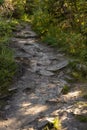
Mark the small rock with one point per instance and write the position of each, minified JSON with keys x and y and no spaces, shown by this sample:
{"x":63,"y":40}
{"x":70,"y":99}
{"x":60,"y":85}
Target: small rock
{"x":26,"y":36}
{"x":27,"y":90}
{"x":77,"y":111}
{"x":63,"y":82}
{"x":53,"y":58}
{"x":21,"y":55}
{"x":7,"y":107}
{"x":12,"y":89}
{"x":33,"y":65}
{"x":81,"y":67}
{"x":75,"y":129}
{"x":61,"y":74}
{"x":44,"y":62}
{"x":46,"y":73}
{"x":52,"y":101}
{"x":42,"y":123}
{"x":28,"y":127}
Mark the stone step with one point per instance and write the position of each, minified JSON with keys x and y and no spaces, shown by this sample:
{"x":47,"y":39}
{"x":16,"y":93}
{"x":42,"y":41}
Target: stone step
{"x":58,"y":66}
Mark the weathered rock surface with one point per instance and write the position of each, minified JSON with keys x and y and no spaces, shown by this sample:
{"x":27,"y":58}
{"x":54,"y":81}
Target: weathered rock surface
{"x":58,"y":66}
{"x":46,"y":73}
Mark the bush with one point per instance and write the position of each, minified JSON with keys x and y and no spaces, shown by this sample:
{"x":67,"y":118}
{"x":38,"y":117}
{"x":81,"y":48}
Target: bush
{"x":19,"y":8}
{"x":71,"y":42}
{"x":1,"y":2}
{"x":5,"y":28}
{"x":60,"y":24}
{"x":55,"y":36}
{"x":41,"y":21}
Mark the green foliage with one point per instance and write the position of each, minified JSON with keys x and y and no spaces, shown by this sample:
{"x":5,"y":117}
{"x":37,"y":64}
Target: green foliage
{"x":6,"y":9}
{"x":75,"y":43}
{"x":84,"y":54}
{"x":11,"y":8}
{"x":41,"y":21}
{"x":7,"y":63}
{"x":54,"y":125}
{"x":78,"y":70}
{"x":7,"y":68}
{"x":62,"y":24}
{"x":65,"y":89}
{"x":81,"y":118}
{"x":71,"y":43}
{"x":19,"y":8}
{"x":85,"y":96}
{"x":57,"y":123}
{"x":1,"y":2}
{"x":5,"y":28}
{"x":55,"y":36}
{"x":59,"y":23}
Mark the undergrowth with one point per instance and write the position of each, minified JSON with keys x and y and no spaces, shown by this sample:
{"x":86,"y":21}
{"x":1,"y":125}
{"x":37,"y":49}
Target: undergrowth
{"x":7,"y":63}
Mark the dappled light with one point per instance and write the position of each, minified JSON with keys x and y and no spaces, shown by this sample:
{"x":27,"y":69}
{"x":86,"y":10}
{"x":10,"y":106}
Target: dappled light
{"x":72,"y":95}
{"x":33,"y":109}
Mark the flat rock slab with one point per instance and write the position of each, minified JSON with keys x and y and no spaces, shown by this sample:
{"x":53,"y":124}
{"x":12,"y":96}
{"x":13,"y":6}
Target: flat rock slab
{"x":26,"y":34}
{"x":44,"y":62}
{"x":59,"y":66}
{"x":46,"y":73}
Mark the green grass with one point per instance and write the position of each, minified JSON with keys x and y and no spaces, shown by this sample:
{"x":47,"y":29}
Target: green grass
{"x":81,"y":118}
{"x":7,"y":64}
{"x":54,"y":125}
{"x":65,"y":89}
{"x":85,"y":96}
{"x":7,"y":68}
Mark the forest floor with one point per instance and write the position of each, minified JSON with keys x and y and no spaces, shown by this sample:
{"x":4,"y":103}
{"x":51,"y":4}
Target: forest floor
{"x":41,"y":89}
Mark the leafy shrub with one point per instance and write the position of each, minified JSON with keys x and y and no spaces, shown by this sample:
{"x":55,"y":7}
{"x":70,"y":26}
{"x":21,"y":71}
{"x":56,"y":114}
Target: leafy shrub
{"x":62,"y":24}
{"x":84,"y":54}
{"x":75,"y":42}
{"x":19,"y":8}
{"x":71,"y":42}
{"x":1,"y":2}
{"x":78,"y":70}
{"x":5,"y":28}
{"x":55,"y":36}
{"x":41,"y":21}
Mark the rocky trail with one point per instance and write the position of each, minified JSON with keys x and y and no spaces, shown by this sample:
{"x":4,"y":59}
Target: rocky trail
{"x":39,"y":96}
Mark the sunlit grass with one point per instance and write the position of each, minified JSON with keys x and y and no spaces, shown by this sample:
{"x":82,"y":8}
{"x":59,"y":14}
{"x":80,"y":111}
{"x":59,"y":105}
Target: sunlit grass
{"x":54,"y":124}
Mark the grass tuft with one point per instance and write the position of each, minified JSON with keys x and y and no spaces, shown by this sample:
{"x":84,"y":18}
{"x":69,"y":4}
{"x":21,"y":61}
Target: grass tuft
{"x":81,"y":118}
{"x":65,"y":89}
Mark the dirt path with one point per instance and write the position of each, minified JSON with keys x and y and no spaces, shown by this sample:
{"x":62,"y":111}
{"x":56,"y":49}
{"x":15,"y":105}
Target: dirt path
{"x":39,"y":91}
